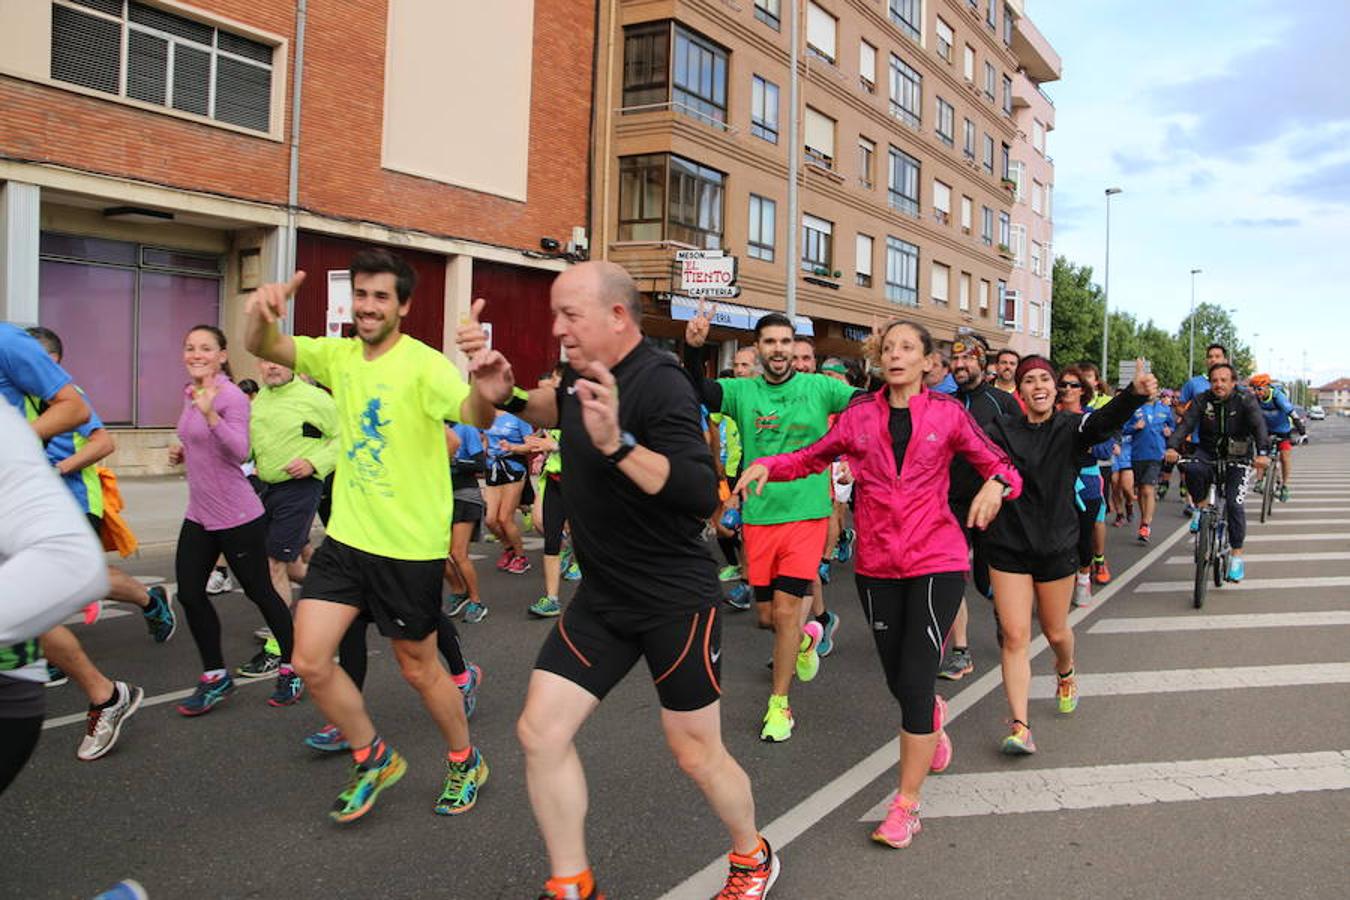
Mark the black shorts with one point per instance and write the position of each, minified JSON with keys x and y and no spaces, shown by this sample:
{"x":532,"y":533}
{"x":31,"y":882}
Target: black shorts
{"x":465,"y":510}
{"x":499,"y":475}
{"x":401,"y":596}
{"x":1040,"y":566}
{"x":595,"y":651}
{"x":1146,"y":471}
{"x":290,"y":507}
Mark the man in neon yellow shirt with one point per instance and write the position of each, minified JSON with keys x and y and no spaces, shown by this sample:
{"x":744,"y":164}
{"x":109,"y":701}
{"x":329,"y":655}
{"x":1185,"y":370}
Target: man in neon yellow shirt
{"x":389,"y":532}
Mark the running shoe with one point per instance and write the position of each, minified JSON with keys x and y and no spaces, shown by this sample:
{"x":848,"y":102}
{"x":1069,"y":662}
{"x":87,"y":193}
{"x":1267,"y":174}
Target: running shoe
{"x":505,"y":559}
{"x":1019,"y":742}
{"x":1144,"y":534}
{"x":1102,"y":572}
{"x":475,"y":613}
{"x":546,"y":608}
{"x":823,"y":570}
{"x":942,"y":756}
{"x":1195,"y":521}
{"x":455,"y":603}
{"x":808,"y":655}
{"x":958,"y":665}
{"x":290,"y":687}
{"x":1066,"y":694}
{"x":209,"y":693}
{"x":778,"y":722}
{"x":220,"y":582}
{"x":262,"y":665}
{"x":1129,"y":512}
{"x":160,"y":620}
{"x":750,"y":877}
{"x":263,"y":634}
{"x":126,"y":889}
{"x":470,"y":688}
{"x":365,"y":786}
{"x":1162,"y":491}
{"x":740,"y":597}
{"x":843,"y":551}
{"x":1284,"y":493}
{"x":729,"y":573}
{"x":1189,"y":510}
{"x":1119,"y":520}
{"x":463,"y":781}
{"x":55,"y":676}
{"x":572,"y":572}
{"x":1237,"y":569}
{"x":104,"y":725}
{"x":901,"y":824}
{"x":557,"y":890}
{"x":519,"y":565}
{"x":327,"y":739}
{"x":1082,"y":592}
{"x":526,"y":522}
{"x":827,"y":634}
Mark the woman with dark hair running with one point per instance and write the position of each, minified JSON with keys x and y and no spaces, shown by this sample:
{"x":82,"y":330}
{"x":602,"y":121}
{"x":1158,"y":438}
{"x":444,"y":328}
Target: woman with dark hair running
{"x":911,"y":558}
{"x":224,"y":516}
{"x":1075,"y":393}
{"x":1032,"y":547}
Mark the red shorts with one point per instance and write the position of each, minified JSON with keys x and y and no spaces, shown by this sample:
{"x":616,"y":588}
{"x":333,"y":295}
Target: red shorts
{"x":1285,"y":445}
{"x":790,"y":549}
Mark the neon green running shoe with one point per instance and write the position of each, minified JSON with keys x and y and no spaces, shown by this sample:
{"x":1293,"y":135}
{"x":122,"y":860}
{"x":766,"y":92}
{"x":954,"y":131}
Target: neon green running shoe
{"x":1067,"y":694}
{"x":729,"y":573}
{"x":359,"y":795}
{"x":808,"y":657}
{"x":777,"y":721}
{"x":463,"y":781}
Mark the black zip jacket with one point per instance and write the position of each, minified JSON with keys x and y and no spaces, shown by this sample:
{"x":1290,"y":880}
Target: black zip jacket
{"x":985,"y":404}
{"x":1231,"y":429}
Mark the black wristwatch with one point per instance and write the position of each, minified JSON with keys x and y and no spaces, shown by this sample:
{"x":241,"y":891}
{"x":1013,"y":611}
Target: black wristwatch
{"x":519,"y":399}
{"x":626,"y":444}
{"x":1007,"y":485}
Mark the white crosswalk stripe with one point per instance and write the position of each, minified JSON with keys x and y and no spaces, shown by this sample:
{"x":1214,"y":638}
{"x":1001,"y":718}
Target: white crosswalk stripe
{"x":1270,"y":557}
{"x":1251,"y":584}
{"x":1150,"y":624}
{"x":1170,"y":681}
{"x":1299,"y":538}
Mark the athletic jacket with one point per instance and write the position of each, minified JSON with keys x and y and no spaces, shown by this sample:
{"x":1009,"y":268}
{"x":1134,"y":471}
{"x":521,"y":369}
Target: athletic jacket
{"x":905,"y":526}
{"x":986,"y":404}
{"x":1233,"y":428}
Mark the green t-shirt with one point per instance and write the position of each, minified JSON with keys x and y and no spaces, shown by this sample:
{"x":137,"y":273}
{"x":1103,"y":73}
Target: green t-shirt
{"x":391,"y":490}
{"x":780,"y":418}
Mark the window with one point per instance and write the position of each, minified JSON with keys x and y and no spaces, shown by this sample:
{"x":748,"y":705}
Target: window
{"x":942,"y":202}
{"x":905,"y":14}
{"x":1005,"y":160}
{"x":867,"y":154}
{"x":1007,"y":96}
{"x":989,"y":76}
{"x":769,"y":12}
{"x":692,"y":77}
{"x":984,"y":297}
{"x":867,"y":66}
{"x":1048,"y":191}
{"x":989,"y":154}
{"x":964,"y":296}
{"x":820,"y":32}
{"x":1018,"y":244}
{"x":903,"y":182}
{"x":819,"y":138}
{"x":669,"y":198}
{"x":817,"y":245}
{"x":761,"y":231}
{"x":1007,"y":302}
{"x":1036,"y":258}
{"x":946,"y":122}
{"x":1038,"y":136}
{"x":1007,"y":25}
{"x":863,"y":263}
{"x":970,"y":64}
{"x":987,"y":226}
{"x":1047,"y":263}
{"x":945,"y":39}
{"x":764,"y":109}
{"x":1037,"y":197}
{"x":1017,"y":172}
{"x":902,"y":271}
{"x":1034,"y":315}
{"x":1004,"y":230}
{"x":167,"y":60}
{"x":906,"y":93}
{"x":968,"y":139}
{"x":967,"y":213}
{"x":990,"y":15}
{"x":941,"y":278}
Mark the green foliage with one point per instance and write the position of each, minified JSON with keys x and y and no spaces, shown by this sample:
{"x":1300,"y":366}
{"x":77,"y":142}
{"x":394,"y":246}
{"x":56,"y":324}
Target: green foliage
{"x":1213,"y":325}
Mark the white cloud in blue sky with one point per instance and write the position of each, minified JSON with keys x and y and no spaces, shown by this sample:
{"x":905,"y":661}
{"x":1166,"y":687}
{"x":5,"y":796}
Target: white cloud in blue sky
{"x":1227,"y":125}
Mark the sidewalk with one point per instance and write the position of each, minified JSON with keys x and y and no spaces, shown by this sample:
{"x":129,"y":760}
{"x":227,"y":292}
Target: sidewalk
{"x":154,"y":507}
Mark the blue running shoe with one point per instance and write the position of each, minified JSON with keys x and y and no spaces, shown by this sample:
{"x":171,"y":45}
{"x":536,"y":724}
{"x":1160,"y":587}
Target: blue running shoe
{"x":127,"y":889}
{"x":327,"y":739}
{"x":475,"y":613}
{"x":1236,"y":569}
{"x":1195,"y":521}
{"x":470,"y":688}
{"x":740,"y":597}
{"x":843,"y":551}
{"x":827,"y":636}
{"x":290,"y":687}
{"x":159,"y":616}
{"x":546,"y":607}
{"x":572,"y":572}
{"x":209,"y":692}
{"x":55,"y":677}
{"x":455,"y":603}
{"x":824,"y":571}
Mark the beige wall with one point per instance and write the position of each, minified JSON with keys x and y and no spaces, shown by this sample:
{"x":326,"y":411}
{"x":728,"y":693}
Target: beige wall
{"x":25,"y":39}
{"x":457,"y":92}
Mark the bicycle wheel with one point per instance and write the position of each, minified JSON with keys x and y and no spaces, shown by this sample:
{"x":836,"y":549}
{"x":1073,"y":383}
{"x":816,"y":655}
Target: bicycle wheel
{"x":1219,"y":549}
{"x":1202,"y":561}
{"x":1268,"y":494}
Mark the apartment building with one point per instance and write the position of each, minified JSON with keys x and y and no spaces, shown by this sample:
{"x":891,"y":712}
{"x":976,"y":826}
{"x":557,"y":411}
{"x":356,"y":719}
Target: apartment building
{"x":908,"y":126}
{"x":159,"y":159}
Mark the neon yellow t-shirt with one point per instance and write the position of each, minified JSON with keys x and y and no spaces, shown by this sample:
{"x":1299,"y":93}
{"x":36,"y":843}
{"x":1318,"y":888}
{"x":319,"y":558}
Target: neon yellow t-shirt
{"x":391,"y":490}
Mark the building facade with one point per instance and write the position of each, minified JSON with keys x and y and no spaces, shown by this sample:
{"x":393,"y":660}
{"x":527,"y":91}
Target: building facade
{"x":1334,"y":396}
{"x":907,"y":128}
{"x":159,"y":159}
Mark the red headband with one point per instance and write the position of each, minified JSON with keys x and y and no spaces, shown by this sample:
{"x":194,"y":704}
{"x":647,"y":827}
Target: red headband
{"x":1031,"y":363}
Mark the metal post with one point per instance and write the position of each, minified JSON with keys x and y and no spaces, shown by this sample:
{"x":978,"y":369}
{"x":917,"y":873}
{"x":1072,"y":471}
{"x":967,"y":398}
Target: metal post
{"x":1106,"y":290}
{"x":794,"y":160}
{"x":1190,"y":358}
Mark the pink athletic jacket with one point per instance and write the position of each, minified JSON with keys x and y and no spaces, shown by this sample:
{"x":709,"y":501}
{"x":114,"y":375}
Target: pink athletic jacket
{"x":905,"y":527}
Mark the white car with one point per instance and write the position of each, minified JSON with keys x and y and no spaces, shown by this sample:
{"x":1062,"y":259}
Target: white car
{"x":1316,"y":413}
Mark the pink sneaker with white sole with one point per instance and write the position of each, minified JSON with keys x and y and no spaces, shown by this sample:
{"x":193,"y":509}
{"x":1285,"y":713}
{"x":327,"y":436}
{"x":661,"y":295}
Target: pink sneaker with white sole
{"x":902,"y":823}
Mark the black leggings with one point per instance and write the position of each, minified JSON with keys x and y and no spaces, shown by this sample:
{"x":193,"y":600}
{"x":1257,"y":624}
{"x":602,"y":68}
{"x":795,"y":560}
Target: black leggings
{"x":910,"y":619}
{"x":555,"y":516}
{"x":18,"y":737}
{"x":245,"y":551}
{"x":352,"y":649}
{"x":1087,"y":521}
{"x":1198,"y":479}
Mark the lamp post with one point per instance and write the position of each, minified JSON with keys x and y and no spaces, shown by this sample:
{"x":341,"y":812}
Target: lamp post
{"x":794,"y":156}
{"x":1106,"y":286}
{"x":1190,"y":359}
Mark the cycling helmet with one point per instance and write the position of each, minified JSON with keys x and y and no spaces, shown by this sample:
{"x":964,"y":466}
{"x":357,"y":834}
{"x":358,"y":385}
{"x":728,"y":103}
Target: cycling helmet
{"x":1260,"y":380}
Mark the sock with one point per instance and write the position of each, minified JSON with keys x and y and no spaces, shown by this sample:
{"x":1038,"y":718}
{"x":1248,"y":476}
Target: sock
{"x":371,"y":755}
{"x":461,"y":679}
{"x":1098,"y":560}
{"x":285,"y":669}
{"x":459,"y":756}
{"x":1084,"y":577}
{"x":107,"y":704}
{"x":214,"y":674}
{"x":956,"y":649}
{"x":759,"y":855}
{"x":823,"y":618}
{"x":583,"y":882}
{"x":1068,"y":674}
{"x":553,"y":597}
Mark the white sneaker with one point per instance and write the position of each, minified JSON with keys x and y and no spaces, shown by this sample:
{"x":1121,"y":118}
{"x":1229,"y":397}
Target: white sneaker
{"x":219,"y":582}
{"x":105,"y":725}
{"x":1082,"y":593}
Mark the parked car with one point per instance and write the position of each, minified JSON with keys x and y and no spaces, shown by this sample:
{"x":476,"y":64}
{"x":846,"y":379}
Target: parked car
{"x":1316,"y":413}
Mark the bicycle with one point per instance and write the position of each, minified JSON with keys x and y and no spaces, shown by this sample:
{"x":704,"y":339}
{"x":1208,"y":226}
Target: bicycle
{"x":1274,"y":480}
{"x":1212,"y":550}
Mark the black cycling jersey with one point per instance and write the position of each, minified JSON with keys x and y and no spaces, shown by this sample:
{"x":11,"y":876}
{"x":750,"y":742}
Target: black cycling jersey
{"x":1232,"y":428}
{"x":985,"y":404}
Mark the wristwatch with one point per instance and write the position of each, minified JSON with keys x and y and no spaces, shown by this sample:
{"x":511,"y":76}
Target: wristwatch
{"x":519,"y":399}
{"x":626,"y":444}
{"x":1007,"y":485}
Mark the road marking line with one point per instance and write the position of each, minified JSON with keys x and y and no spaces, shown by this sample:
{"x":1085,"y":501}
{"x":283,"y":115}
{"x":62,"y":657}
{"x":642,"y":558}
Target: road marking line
{"x":1133,"y":784}
{"x":1151,"y":624}
{"x":1333,"y":536}
{"x":783,"y":830}
{"x":1286,"y":522}
{"x":156,"y":700}
{"x":1250,"y":584}
{"x":1173,"y":681}
{"x":1268,"y":557}
{"x":1315,"y":509}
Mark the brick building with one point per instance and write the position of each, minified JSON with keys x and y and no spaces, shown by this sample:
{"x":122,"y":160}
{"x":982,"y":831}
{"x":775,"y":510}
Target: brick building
{"x":151,"y":172}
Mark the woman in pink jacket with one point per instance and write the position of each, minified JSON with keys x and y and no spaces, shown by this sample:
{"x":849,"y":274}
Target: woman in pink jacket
{"x":912,"y":556}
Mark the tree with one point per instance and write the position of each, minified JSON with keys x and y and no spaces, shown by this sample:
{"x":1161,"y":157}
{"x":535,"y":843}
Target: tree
{"x":1214,"y":325}
{"x":1075,"y":314}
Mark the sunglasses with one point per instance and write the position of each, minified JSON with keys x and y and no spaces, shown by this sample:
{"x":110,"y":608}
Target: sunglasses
{"x":1070,"y":385}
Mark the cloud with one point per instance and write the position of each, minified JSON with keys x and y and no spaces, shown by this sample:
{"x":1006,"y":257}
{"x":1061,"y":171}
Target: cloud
{"x":1329,"y":184}
{"x":1269,"y":222}
{"x":1135,"y":164}
{"x":1202,"y":178}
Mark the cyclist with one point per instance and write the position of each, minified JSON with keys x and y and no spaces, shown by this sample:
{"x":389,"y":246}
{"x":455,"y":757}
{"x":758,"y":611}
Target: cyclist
{"x":1228,"y":425}
{"x":1281,"y":419}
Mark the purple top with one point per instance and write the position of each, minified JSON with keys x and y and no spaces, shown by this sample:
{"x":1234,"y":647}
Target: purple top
{"x":219,"y":496}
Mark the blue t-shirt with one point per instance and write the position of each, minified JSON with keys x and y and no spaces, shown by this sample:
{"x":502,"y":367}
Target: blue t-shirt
{"x":513,"y":430}
{"x":26,"y":369}
{"x":1277,"y":410}
{"x":1194,"y":387}
{"x":63,"y":447}
{"x":1149,"y":441}
{"x":947,"y":385}
{"x":1125,"y":458}
{"x":470,"y":442}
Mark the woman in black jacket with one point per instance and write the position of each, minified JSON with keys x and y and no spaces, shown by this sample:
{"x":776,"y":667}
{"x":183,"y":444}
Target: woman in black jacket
{"x":1032,"y":547}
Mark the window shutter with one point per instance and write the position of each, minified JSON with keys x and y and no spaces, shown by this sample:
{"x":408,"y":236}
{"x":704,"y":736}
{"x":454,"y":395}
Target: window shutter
{"x":147,"y":67}
{"x":820,"y":132}
{"x":867,"y":61}
{"x":863,"y":255}
{"x":86,"y":50}
{"x":942,"y":197}
{"x":820,"y":27}
{"x":243,"y":94}
{"x":191,"y":80}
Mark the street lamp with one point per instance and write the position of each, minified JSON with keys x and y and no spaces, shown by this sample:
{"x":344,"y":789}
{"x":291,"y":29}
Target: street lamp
{"x":1106,"y":287}
{"x":1190,"y":359}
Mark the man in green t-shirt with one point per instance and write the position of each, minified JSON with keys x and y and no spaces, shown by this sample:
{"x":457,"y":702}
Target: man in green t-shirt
{"x":785,"y":527}
{"x":389,"y":532}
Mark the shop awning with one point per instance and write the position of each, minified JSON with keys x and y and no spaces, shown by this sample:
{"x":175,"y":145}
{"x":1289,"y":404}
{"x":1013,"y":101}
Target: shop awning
{"x":733,"y":315}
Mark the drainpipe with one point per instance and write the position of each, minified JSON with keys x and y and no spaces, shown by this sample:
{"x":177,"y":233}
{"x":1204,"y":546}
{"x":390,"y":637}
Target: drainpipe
{"x":293,"y":184}
{"x":794,"y":156}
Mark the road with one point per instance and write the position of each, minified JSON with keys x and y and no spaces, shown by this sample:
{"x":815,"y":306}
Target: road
{"x":1210,"y":756}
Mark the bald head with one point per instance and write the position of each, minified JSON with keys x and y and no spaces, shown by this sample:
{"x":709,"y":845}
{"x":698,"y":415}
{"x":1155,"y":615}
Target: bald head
{"x":597,"y":312}
{"x":606,"y":282}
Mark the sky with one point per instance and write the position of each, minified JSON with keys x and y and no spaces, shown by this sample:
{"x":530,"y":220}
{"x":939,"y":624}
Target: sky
{"x":1226,"y":123}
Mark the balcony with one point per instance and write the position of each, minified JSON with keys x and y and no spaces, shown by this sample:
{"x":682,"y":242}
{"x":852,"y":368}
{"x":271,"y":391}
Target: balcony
{"x":1034,"y":52}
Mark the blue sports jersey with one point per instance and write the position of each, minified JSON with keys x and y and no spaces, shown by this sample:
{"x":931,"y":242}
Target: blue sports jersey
{"x":513,"y":430}
{"x":470,"y":443}
{"x":25,"y":368}
{"x":1150,"y":442}
{"x":1277,"y":410}
{"x":63,"y":446}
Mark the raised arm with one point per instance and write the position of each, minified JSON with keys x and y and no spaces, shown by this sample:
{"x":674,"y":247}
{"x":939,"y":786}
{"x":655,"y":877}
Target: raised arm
{"x":695,"y":360}
{"x":808,"y":460}
{"x":493,"y":382}
{"x":1112,"y":417}
{"x":264,"y":309}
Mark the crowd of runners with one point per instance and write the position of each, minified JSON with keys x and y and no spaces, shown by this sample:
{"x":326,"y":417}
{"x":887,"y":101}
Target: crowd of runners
{"x":926,"y":466}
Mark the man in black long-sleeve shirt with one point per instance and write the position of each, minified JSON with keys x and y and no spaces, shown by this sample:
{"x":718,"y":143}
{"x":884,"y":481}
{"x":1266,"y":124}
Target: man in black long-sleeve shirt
{"x":640,"y":484}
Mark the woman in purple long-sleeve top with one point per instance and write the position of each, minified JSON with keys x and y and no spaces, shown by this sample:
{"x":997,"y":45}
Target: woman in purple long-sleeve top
{"x":224,"y":516}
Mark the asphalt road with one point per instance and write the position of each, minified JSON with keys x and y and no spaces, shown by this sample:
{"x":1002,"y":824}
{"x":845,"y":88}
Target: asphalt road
{"x":1210,"y":756}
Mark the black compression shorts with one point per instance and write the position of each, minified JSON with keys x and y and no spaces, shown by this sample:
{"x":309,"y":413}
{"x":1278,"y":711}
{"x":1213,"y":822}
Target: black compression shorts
{"x":1040,"y":566}
{"x":402,"y":597}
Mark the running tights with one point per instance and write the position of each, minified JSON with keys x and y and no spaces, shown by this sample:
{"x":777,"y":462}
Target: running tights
{"x":1087,"y":521}
{"x":555,"y":517}
{"x":910,"y":619}
{"x":246,"y":554}
{"x":18,"y":737}
{"x":1198,"y":480}
{"x":352,"y":650}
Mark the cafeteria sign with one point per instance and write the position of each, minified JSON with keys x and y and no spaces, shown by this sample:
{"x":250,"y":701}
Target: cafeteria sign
{"x":707,"y":273}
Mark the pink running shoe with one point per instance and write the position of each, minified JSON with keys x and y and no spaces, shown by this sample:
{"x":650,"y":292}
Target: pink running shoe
{"x":518,"y":565}
{"x":902,"y":823}
{"x":942,"y":756}
{"x":505,"y":559}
